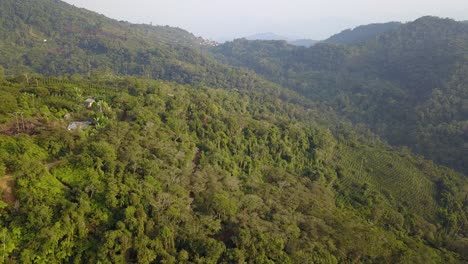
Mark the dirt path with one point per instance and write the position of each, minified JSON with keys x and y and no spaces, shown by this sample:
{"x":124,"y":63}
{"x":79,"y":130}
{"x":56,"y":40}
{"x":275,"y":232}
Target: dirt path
{"x":52,"y":165}
{"x":7,"y":184}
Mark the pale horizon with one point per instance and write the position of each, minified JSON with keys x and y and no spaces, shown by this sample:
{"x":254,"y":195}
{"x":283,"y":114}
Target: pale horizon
{"x":299,"y":19}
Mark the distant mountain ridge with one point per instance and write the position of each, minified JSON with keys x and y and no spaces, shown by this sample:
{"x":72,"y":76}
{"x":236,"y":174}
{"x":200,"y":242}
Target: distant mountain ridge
{"x":266,"y":36}
{"x":273,"y":36}
{"x":303,"y":42}
{"x":363,"y":33}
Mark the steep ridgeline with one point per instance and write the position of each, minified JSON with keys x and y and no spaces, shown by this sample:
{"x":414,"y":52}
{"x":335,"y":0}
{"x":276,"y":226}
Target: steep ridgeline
{"x":362,"y":34}
{"x":167,"y":173}
{"x":409,"y":85}
{"x":54,"y":38}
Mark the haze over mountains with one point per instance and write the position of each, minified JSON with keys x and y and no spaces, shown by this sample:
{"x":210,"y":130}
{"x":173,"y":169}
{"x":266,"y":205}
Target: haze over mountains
{"x":348,"y":36}
{"x":355,"y":35}
{"x":266,"y":36}
{"x":273,"y":36}
{"x":253,"y":151}
{"x":222,"y":21}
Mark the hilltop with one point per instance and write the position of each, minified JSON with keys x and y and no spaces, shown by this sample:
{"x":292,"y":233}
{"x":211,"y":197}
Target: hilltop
{"x":363,"y":33}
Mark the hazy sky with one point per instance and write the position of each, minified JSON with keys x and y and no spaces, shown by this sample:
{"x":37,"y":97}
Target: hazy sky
{"x":222,"y":19}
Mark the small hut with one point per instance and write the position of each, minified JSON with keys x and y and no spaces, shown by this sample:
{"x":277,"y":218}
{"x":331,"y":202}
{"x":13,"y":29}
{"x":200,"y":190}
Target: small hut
{"x":90,"y":102}
{"x":78,"y":125}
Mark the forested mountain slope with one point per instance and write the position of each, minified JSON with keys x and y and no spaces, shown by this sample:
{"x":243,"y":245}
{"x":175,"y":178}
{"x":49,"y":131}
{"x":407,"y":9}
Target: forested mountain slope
{"x":408,"y":85}
{"x":362,"y":33}
{"x":151,"y":171}
{"x":52,"y":38}
{"x":172,"y":173}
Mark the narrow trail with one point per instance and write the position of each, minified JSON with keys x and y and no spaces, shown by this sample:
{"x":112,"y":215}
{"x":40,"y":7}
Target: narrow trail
{"x":50,"y":166}
{"x":7,"y":184}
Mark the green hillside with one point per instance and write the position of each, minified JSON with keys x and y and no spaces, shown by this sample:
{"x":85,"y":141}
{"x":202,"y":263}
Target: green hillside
{"x":123,"y":143}
{"x":408,"y":85}
{"x":172,"y":173}
{"x":362,"y":33}
{"x":54,"y":38}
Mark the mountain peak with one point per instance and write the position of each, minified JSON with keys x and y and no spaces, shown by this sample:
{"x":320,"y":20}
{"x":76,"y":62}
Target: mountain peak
{"x":362,"y":33}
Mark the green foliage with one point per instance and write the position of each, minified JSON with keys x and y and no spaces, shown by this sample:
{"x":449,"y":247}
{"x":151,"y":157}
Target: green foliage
{"x":171,"y":173}
{"x":2,"y":73}
{"x":198,"y":175}
{"x":54,"y":38}
{"x":9,"y":103}
{"x":407,"y":84}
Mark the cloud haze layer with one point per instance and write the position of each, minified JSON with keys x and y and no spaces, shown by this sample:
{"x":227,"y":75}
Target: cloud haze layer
{"x":219,"y":19}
